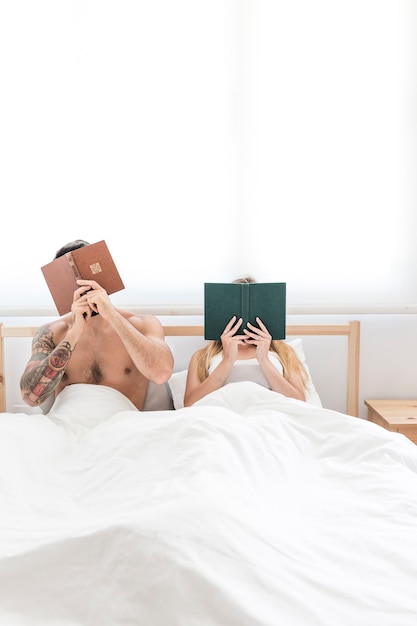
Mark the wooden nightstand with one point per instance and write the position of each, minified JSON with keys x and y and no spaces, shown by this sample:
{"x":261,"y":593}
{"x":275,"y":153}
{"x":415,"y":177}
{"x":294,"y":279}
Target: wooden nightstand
{"x":396,"y":415}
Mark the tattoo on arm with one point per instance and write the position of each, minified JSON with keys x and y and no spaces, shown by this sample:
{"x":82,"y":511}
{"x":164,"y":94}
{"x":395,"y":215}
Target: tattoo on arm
{"x":46,"y":367}
{"x":60,"y":356}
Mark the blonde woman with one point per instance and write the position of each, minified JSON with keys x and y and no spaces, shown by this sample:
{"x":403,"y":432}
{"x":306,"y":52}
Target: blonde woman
{"x":245,"y":354}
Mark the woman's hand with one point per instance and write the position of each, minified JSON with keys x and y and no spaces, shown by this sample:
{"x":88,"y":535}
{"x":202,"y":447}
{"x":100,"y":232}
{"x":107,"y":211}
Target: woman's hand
{"x":230,"y":341}
{"x":259,"y":337}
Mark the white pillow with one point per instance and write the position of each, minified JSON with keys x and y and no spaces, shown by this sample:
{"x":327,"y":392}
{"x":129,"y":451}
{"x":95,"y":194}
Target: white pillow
{"x":178,"y":380}
{"x":177,"y":384}
{"x":312,"y":397}
{"x":158,"y":398}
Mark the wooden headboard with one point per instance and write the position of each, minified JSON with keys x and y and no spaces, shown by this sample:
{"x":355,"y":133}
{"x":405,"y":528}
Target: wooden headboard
{"x":350,"y":329}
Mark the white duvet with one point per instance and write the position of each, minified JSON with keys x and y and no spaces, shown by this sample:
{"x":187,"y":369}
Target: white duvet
{"x":247,"y":509}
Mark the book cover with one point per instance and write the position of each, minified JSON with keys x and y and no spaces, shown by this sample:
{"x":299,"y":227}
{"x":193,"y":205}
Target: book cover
{"x":93,"y":262}
{"x":248,"y":300}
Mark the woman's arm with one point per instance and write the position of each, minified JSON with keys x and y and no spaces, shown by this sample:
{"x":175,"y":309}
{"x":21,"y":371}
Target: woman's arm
{"x":293,"y":387}
{"x":195,"y":389}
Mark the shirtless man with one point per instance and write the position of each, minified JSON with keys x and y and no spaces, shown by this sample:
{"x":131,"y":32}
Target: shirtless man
{"x":114,"y":348}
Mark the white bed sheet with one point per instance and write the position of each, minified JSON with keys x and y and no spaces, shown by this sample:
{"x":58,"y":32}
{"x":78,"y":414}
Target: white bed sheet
{"x":247,"y":509}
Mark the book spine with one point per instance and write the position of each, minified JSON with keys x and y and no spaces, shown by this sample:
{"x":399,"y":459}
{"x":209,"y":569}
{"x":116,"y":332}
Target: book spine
{"x":245,"y":305}
{"x":73,"y":265}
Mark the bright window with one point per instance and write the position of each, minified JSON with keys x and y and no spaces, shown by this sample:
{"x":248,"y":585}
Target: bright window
{"x":206,"y":139}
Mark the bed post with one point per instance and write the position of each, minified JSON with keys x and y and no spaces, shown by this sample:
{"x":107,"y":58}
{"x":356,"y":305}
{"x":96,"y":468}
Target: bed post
{"x":353,"y":369}
{"x":2,"y":375}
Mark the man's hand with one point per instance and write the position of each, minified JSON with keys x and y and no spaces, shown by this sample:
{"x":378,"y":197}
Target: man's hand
{"x":91,"y":299}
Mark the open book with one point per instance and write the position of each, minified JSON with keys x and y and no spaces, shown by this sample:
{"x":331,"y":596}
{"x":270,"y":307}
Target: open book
{"x":93,"y":262}
{"x":248,"y":300}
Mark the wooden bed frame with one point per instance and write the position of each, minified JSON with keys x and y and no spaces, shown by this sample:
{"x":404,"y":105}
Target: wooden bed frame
{"x":350,"y":329}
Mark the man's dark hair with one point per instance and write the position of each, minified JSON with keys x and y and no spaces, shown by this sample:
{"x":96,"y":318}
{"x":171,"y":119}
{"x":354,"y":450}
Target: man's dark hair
{"x":69,"y":247}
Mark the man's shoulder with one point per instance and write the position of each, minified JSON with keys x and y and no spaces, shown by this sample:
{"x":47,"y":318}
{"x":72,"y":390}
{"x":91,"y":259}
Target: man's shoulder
{"x":59,"y":325}
{"x":145,"y":322}
{"x":142,"y":317}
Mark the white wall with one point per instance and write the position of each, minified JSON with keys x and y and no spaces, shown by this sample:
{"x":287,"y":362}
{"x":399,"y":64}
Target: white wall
{"x":388,"y":365}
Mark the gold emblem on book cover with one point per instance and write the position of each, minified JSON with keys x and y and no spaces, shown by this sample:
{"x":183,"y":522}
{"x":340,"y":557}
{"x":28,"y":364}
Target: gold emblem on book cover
{"x":95,"y":268}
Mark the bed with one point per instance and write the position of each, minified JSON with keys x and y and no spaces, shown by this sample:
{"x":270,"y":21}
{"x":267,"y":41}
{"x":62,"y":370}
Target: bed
{"x":246,"y":509}
{"x":187,"y":336}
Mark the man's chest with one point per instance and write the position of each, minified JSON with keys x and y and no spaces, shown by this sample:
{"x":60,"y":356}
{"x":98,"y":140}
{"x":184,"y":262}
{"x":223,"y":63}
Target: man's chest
{"x":99,"y":361}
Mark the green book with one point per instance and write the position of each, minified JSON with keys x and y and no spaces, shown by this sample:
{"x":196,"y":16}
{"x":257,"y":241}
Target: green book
{"x":248,"y":300}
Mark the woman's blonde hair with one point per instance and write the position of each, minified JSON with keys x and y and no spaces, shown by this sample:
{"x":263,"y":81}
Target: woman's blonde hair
{"x":286,"y":353}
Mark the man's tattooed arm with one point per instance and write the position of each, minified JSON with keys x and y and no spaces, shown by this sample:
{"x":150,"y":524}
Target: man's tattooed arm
{"x":46,"y":367}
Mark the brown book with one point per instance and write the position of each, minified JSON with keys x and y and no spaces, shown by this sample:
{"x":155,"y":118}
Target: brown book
{"x":93,"y":262}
